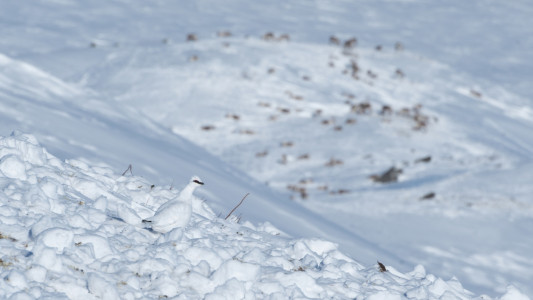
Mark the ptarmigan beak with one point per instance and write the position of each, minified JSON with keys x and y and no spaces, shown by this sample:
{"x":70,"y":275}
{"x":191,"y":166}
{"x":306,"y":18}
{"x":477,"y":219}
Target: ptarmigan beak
{"x":198,"y":181}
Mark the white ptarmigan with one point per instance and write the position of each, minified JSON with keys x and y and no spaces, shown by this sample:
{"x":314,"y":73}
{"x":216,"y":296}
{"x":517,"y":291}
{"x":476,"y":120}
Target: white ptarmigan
{"x":175,"y":213}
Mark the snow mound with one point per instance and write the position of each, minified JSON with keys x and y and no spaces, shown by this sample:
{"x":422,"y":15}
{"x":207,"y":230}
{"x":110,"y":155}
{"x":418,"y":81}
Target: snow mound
{"x":69,"y":230}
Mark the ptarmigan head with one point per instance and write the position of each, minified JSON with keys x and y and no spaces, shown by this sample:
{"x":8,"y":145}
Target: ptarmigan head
{"x":197,"y":180}
{"x":186,"y":193}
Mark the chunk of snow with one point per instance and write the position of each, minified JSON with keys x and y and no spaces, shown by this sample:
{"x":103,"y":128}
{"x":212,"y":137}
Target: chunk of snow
{"x":100,"y":203}
{"x":306,"y":284}
{"x":418,"y":272}
{"x":99,"y":244}
{"x":22,"y":296}
{"x":438,"y":287}
{"x":41,"y":225}
{"x":16,"y":279}
{"x":101,"y":287}
{"x":197,"y":254}
{"x":384,"y":295}
{"x":232,"y":289}
{"x":36,"y":273}
{"x":51,"y":187}
{"x":165,"y":285}
{"x":47,"y":258}
{"x":58,"y":238}
{"x":418,"y":293}
{"x":11,"y":166}
{"x":128,"y":215}
{"x":513,"y":293}
{"x":320,"y":247}
{"x":235,"y":269}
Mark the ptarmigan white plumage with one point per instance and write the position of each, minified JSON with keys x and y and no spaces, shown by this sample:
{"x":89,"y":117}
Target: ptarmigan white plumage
{"x":175,"y":213}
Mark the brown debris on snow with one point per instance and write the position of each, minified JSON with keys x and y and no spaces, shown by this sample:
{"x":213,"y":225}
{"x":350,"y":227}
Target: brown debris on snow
{"x":391,"y":175}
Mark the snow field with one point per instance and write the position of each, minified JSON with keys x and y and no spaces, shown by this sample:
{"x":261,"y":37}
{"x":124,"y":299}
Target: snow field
{"x":105,"y":82}
{"x":290,"y":114}
{"x":62,"y":237}
{"x":284,"y":115}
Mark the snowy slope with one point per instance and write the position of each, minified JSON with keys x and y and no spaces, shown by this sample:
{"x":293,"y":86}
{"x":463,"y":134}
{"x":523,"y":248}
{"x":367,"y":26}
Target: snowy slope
{"x":464,"y":157}
{"x":71,"y":230}
{"x":78,"y":123}
{"x":488,"y":39}
{"x":467,"y":63}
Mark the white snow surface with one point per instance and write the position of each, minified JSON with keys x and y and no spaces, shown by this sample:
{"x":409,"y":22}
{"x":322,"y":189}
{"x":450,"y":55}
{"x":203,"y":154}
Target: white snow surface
{"x":61,"y":239}
{"x":104,"y":84}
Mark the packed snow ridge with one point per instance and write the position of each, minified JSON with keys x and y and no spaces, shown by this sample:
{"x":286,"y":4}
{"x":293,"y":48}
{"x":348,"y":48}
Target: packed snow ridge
{"x":70,"y":230}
